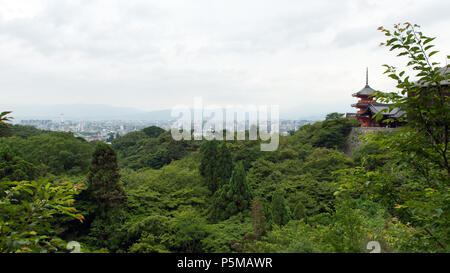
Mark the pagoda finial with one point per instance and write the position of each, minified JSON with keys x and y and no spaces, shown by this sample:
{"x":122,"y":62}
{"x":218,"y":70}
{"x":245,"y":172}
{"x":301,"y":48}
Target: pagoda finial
{"x":367,"y":76}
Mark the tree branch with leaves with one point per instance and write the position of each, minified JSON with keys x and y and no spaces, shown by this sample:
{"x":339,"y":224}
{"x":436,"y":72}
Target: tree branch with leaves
{"x":425,"y":101}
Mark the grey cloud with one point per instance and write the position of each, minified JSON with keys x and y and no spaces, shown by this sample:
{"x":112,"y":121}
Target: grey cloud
{"x":351,"y":37}
{"x":155,"y":54}
{"x":65,"y":28}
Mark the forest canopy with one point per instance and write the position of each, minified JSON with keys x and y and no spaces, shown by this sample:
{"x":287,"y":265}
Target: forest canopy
{"x":147,"y":193}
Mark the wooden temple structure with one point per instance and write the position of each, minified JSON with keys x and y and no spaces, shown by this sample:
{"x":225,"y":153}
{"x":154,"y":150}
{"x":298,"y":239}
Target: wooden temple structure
{"x":368,"y":107}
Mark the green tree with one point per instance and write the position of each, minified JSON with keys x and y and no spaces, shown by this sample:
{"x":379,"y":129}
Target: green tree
{"x":104,"y":201}
{"x":153,"y":131}
{"x":6,"y":130}
{"x":26,"y":209}
{"x":224,"y":165}
{"x":107,"y":230}
{"x":330,"y":133}
{"x":208,"y":163}
{"x":281,"y":214}
{"x":26,"y":131}
{"x":323,"y":162}
{"x":128,"y":142}
{"x":258,"y":218}
{"x":56,"y":152}
{"x":425,"y":138}
{"x":232,"y":197}
{"x":103,"y":179}
{"x":156,"y":160}
{"x":347,"y":232}
{"x":426,"y":101}
{"x":152,"y":233}
{"x":190,"y":229}
{"x":216,"y":164}
{"x":334,"y":115}
{"x":14,"y":168}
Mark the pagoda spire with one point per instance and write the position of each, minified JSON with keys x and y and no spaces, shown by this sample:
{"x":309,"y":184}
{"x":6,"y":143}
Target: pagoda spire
{"x":367,"y":76}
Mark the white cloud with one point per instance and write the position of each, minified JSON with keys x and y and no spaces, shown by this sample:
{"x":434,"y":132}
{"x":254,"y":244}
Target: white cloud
{"x":305,"y":55}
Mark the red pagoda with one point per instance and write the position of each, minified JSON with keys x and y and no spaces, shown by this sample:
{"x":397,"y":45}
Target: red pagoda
{"x":368,"y":108}
{"x":363,"y":103}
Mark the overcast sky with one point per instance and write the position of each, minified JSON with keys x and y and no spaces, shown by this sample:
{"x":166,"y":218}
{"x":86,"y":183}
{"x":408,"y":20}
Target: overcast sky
{"x":306,"y":56}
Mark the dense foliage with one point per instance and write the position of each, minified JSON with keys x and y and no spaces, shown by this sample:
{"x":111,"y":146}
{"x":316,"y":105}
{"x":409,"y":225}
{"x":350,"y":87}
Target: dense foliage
{"x":149,"y":193}
{"x":26,"y":209}
{"x":53,"y":152}
{"x":150,"y":148}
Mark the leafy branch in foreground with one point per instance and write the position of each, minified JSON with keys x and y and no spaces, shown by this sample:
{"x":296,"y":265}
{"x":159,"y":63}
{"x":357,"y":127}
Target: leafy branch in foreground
{"x":414,"y":183}
{"x":425,"y":102}
{"x":26,"y":208}
{"x":4,"y":117}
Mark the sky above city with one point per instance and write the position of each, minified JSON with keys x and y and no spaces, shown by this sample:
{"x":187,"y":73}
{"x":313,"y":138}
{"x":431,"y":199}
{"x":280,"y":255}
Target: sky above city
{"x":306,"y":56}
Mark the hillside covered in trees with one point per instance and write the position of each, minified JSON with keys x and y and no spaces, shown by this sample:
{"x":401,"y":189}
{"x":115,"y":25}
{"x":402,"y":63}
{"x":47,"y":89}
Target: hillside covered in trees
{"x":148,"y":193}
{"x":209,"y":196}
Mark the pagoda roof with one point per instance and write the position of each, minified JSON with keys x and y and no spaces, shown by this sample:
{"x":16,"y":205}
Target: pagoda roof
{"x":367,"y":90}
{"x":376,"y":107}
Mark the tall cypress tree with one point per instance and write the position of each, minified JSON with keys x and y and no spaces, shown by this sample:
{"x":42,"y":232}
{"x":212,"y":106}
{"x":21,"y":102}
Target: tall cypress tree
{"x":224,"y":166}
{"x":232,"y":197}
{"x":281,"y":213}
{"x":104,"y":189}
{"x":208,"y":163}
{"x":216,"y":164}
{"x":102,"y":201}
{"x":239,"y":189}
{"x":208,"y":152}
{"x":258,"y":218}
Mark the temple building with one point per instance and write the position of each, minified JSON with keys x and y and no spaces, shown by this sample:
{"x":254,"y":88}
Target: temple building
{"x":368,"y":108}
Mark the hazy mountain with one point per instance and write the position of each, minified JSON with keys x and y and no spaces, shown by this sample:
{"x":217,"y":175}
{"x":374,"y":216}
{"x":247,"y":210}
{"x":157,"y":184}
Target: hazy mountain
{"x":106,"y":112}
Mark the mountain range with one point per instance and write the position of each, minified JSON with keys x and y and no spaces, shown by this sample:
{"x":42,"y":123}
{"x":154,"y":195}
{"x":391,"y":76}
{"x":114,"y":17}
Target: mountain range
{"x":106,"y":112}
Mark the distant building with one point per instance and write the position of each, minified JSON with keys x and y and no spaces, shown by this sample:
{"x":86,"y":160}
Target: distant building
{"x":368,"y":108}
